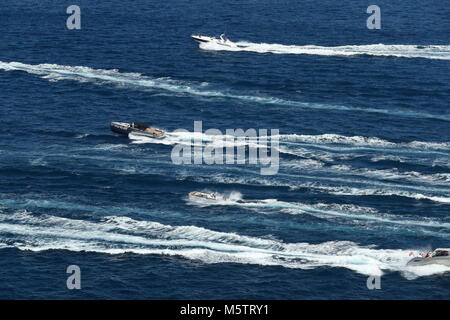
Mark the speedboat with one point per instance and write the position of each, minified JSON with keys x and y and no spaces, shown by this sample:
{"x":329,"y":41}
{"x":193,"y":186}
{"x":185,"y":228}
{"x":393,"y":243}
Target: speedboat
{"x":205,"y":195}
{"x":222,"y":40}
{"x":137,"y":128}
{"x":439,"y":256}
{"x":215,"y":196}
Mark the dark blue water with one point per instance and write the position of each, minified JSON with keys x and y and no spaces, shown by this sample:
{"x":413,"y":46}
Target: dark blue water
{"x":364,"y":175}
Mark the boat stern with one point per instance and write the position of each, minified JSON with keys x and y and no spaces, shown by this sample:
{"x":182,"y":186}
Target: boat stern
{"x":120,"y":127}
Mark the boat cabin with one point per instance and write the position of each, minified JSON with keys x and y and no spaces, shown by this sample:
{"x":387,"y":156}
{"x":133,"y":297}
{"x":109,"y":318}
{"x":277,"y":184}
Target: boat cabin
{"x":441,"y":252}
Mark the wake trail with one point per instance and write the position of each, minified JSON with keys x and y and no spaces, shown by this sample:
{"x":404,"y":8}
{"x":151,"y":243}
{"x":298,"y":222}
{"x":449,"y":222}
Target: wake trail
{"x":435,"y":52}
{"x":318,"y":162}
{"x":327,"y":139}
{"x":116,"y":235}
{"x":326,"y":188}
{"x":319,"y":210}
{"x":54,"y":72}
{"x":363,"y":141}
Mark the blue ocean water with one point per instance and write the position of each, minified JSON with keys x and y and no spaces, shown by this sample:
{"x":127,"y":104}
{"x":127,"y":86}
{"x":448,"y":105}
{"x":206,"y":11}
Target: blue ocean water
{"x":364,"y":174}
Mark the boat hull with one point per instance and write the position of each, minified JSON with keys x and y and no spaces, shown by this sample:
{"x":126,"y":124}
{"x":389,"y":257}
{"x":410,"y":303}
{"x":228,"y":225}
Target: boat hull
{"x":202,"y":195}
{"x":445,"y":261}
{"x":147,"y":134}
{"x":207,"y":39}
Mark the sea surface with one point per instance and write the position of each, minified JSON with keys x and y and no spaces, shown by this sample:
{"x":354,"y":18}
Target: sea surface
{"x":364,"y":149}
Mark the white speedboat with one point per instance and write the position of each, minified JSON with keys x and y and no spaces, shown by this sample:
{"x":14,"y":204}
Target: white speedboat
{"x":439,"y":256}
{"x":137,"y":128}
{"x":205,"y":195}
{"x":222,"y":40}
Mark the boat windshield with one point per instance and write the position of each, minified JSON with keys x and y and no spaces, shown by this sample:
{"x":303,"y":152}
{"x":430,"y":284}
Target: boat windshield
{"x":441,"y":253}
{"x":139,"y":125}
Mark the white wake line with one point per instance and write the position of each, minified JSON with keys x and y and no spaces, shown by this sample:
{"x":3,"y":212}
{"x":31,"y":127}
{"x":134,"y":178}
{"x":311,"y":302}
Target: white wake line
{"x":318,"y":211}
{"x":188,"y":139}
{"x":437,"y":181}
{"x":439,"y":52}
{"x":330,"y":189}
{"x":365,"y":142}
{"x":405,"y":190}
{"x":381,"y":182}
{"x":26,"y":204}
{"x":54,"y":72}
{"x":318,"y":141}
{"x":330,"y":141}
{"x":117,"y":235}
{"x":376,"y":187}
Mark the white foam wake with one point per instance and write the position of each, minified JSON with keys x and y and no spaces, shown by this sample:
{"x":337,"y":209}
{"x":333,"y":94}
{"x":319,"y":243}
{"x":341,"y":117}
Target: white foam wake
{"x":322,"y":210}
{"x":199,"y":139}
{"x":439,"y":52}
{"x":355,"y":191}
{"x":330,"y":189}
{"x":361,"y":141}
{"x":297,"y":145}
{"x":115,"y":235}
{"x":316,"y":166}
{"x":314,"y":160}
{"x":394,"y":174}
{"x":54,"y":72}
